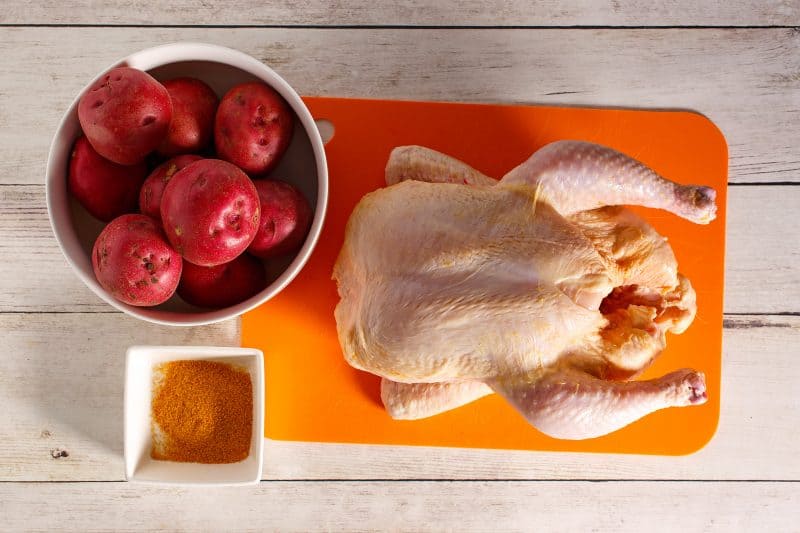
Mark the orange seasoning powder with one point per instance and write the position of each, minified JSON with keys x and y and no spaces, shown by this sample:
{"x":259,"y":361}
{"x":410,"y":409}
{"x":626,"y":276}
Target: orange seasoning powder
{"x":202,"y":412}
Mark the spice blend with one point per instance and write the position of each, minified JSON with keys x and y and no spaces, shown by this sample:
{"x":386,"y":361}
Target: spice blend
{"x":202,"y":412}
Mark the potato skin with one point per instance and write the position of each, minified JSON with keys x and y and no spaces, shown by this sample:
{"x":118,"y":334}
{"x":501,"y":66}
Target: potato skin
{"x":133,"y":261}
{"x":210,"y":211}
{"x":222,"y":285}
{"x":125,"y":115}
{"x":194,"y":105}
{"x":285,"y":219}
{"x":153,"y":187}
{"x":105,"y":189}
{"x":253,"y":128}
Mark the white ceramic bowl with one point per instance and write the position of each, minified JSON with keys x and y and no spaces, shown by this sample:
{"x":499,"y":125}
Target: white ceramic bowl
{"x":303,"y":165}
{"x":139,"y":466}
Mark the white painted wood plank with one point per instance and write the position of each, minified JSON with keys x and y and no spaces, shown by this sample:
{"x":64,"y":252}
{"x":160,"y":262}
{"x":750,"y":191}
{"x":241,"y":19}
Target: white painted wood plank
{"x":762,"y":264}
{"x":408,"y":506}
{"x":762,"y":249}
{"x":61,"y":389}
{"x":61,"y":385}
{"x":746,"y":80}
{"x":410,"y":12}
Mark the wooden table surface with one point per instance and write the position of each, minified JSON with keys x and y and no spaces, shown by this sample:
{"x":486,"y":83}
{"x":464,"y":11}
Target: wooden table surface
{"x":62,"y":348}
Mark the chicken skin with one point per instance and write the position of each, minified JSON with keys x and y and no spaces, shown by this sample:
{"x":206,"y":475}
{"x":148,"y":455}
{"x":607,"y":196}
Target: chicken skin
{"x":539,"y":287}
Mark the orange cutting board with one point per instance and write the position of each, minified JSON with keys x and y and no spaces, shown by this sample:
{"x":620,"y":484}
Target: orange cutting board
{"x":313,"y":395}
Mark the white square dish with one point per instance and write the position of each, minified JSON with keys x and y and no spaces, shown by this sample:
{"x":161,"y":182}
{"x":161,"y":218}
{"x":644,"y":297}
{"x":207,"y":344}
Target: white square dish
{"x":139,"y":466}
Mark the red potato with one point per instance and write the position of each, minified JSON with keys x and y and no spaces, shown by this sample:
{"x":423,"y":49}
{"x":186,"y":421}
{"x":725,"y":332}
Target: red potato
{"x":194,"y":105}
{"x":253,"y":127}
{"x":153,"y":187}
{"x":134,"y":262}
{"x":107,"y":190}
{"x":125,"y":115}
{"x":222,"y":285}
{"x":210,"y":211}
{"x":285,"y":219}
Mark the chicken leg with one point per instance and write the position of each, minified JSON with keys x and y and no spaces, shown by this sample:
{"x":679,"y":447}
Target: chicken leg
{"x":576,"y":176}
{"x":570,"y":404}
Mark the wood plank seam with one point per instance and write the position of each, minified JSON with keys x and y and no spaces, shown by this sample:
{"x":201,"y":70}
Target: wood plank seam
{"x":402,"y":26}
{"x":265,"y":481}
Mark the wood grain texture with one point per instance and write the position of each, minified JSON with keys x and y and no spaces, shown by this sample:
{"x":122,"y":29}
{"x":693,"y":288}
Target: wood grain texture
{"x":409,"y":506}
{"x":746,"y":80}
{"x":409,"y":12}
{"x":61,"y":387}
{"x":34,"y":275}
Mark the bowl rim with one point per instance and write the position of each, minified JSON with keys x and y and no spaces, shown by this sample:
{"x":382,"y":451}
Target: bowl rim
{"x":158,"y":56}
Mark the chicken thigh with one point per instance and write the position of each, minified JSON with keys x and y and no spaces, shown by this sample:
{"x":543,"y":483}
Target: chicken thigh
{"x":539,"y":287}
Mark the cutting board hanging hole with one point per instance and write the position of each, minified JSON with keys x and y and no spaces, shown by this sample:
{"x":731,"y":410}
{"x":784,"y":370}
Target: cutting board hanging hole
{"x":326,"y":129}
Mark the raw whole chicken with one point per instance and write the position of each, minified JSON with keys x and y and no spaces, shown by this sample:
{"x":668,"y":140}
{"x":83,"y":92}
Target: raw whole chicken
{"x":538,"y":287}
